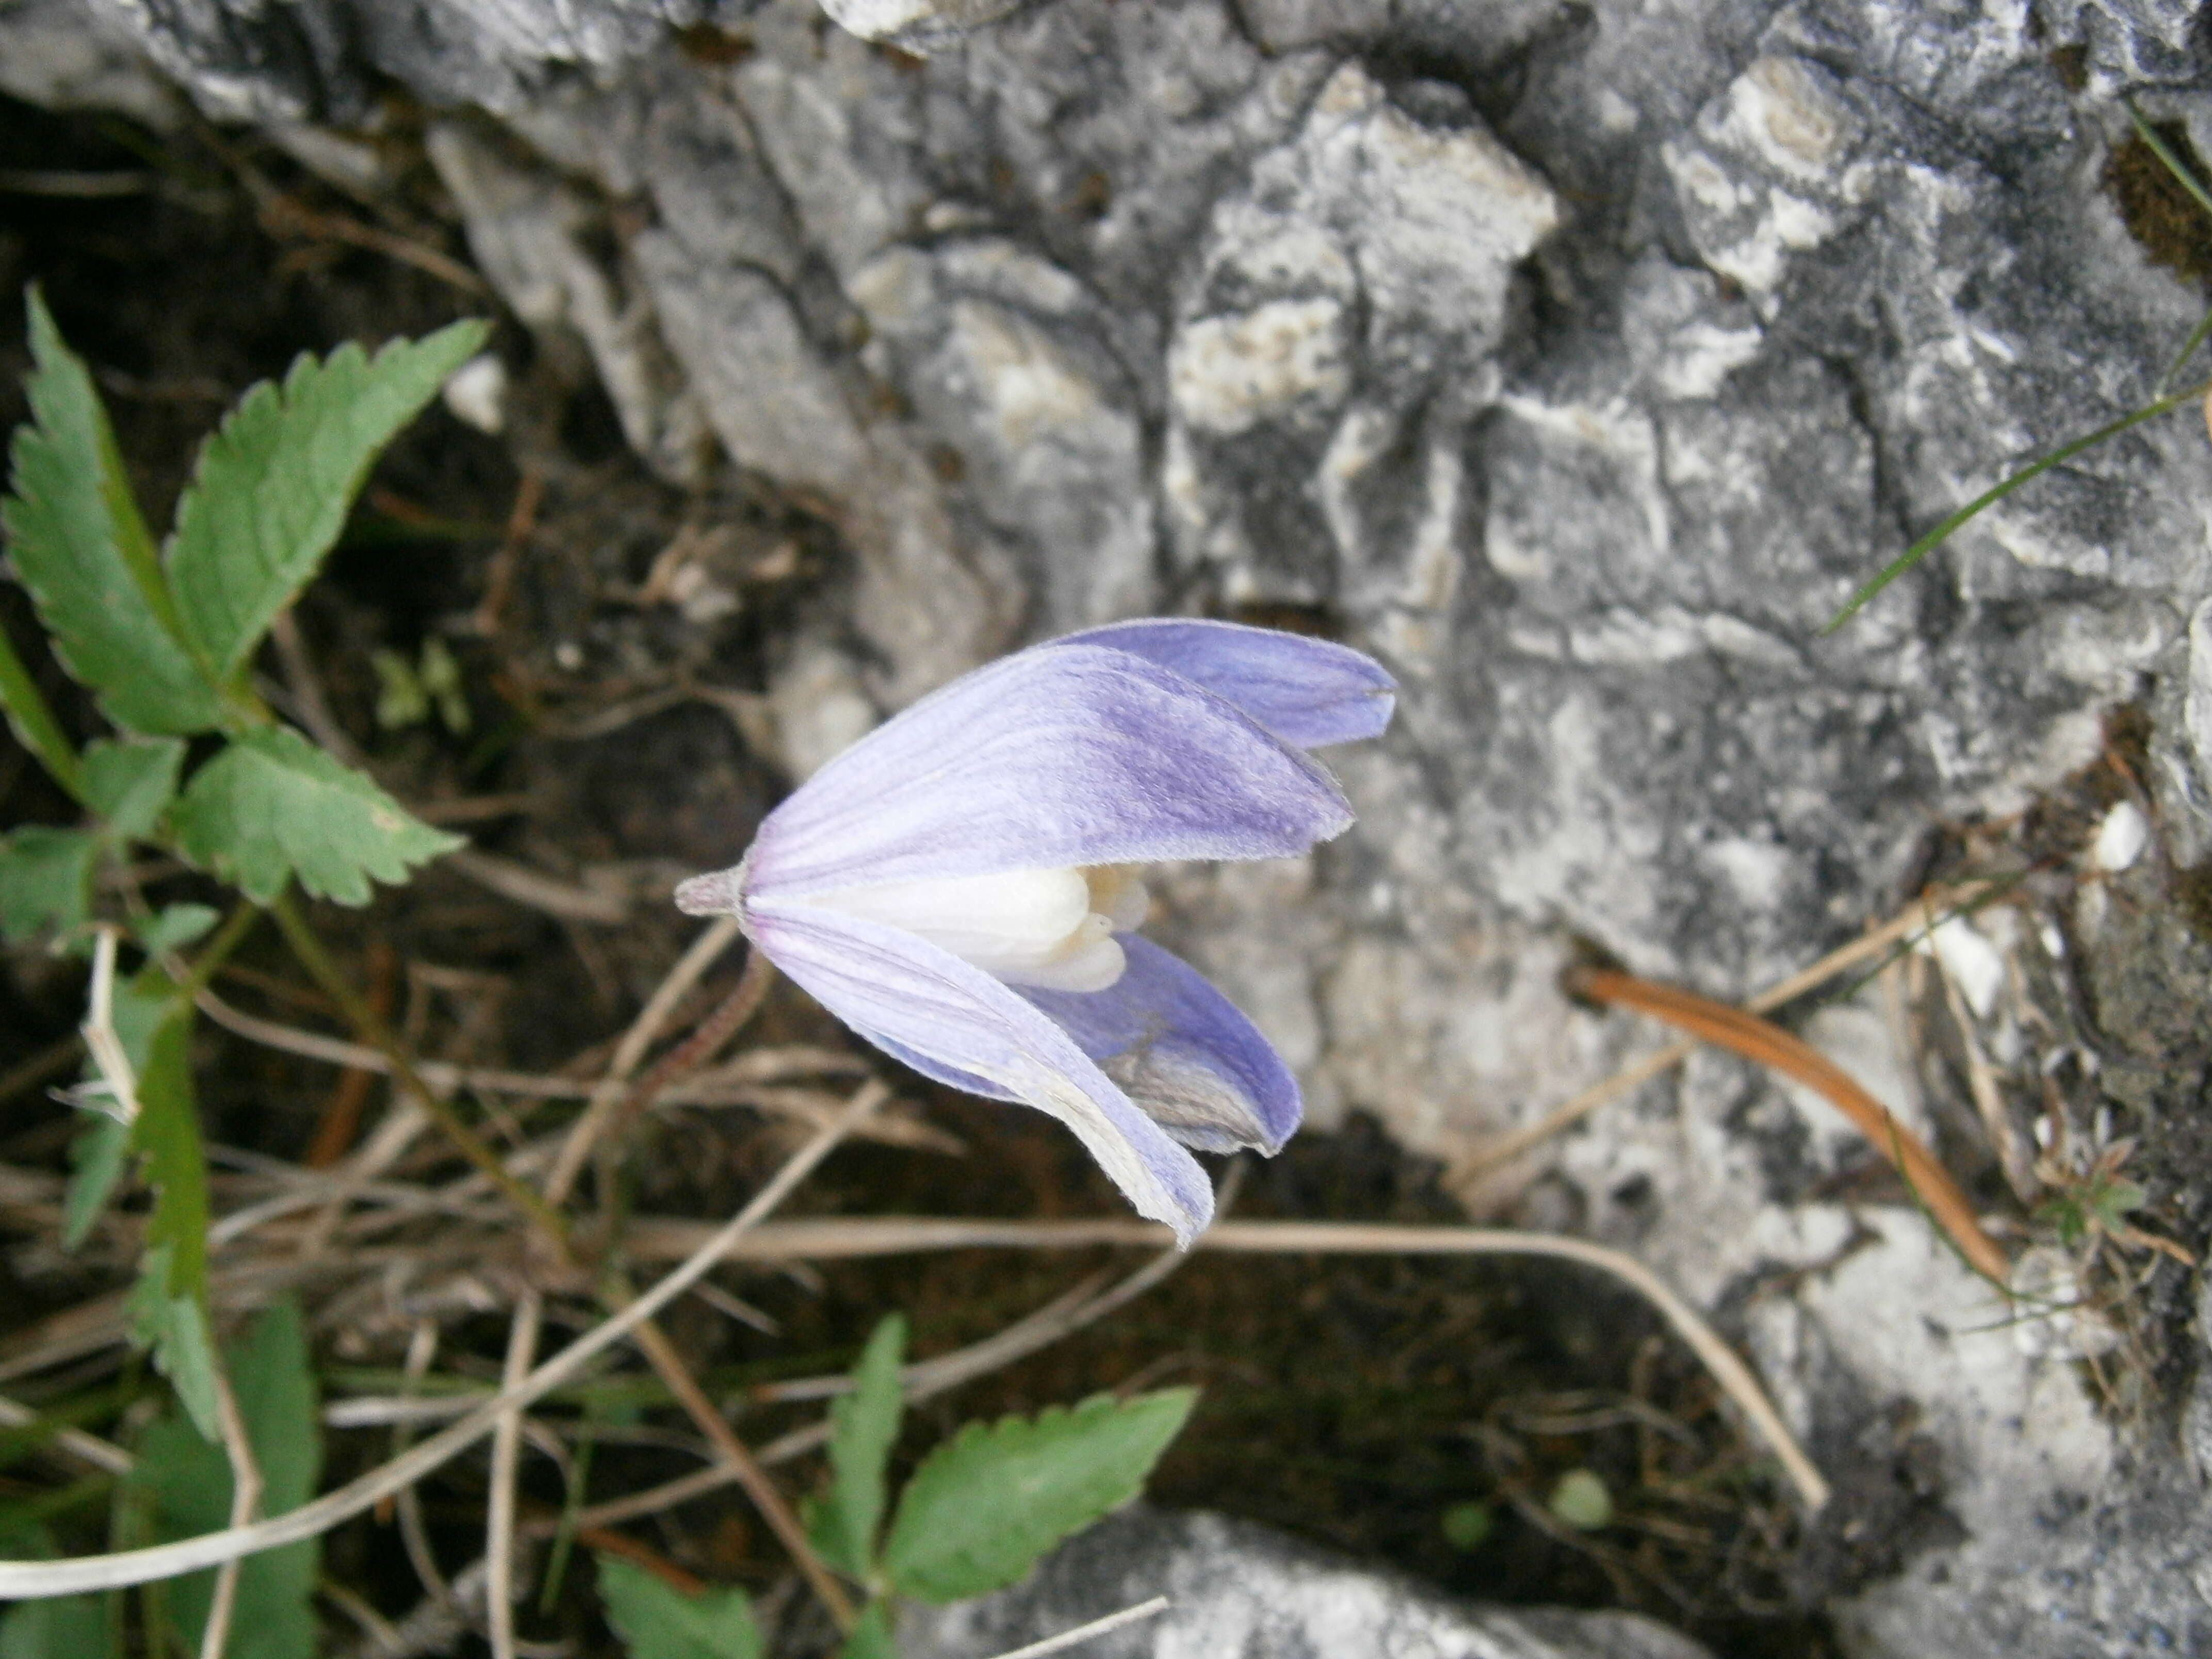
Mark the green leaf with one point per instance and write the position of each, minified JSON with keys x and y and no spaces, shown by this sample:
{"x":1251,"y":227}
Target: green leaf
{"x":985,"y":1504}
{"x":401,"y":701}
{"x":130,"y":784}
{"x":189,"y":1482}
{"x":273,"y":486}
{"x":273,"y":805}
{"x":168,"y":1307}
{"x":863,"y":1425}
{"x":81,"y":549}
{"x":33,"y":721}
{"x":871,"y":1635}
{"x":45,"y":877}
{"x":656,"y":1621}
{"x":96,"y":1159}
{"x":174,"y":1327}
{"x":442,"y":680}
{"x":61,"y":1627}
{"x":173,"y":927}
{"x":58,"y":1627}
{"x":2115,"y":1203}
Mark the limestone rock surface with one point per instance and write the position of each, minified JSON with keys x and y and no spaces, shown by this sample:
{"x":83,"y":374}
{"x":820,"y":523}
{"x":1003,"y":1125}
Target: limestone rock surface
{"x":1242,"y":1592}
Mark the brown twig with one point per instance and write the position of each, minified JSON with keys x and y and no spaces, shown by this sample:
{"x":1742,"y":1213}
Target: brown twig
{"x":630,"y":1053}
{"x":605,"y":1540}
{"x":607,"y":1117}
{"x":2014,"y":1156}
{"x":706,"y":1041}
{"x":340,"y":1118}
{"x":1768,"y":1044}
{"x":653,"y":1343}
{"x":282,"y":216}
{"x":499,"y":576}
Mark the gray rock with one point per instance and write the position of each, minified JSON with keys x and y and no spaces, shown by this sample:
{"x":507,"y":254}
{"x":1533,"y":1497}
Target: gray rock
{"x":536,"y":238}
{"x":917,"y":24}
{"x":62,"y":56}
{"x":1242,"y":1592}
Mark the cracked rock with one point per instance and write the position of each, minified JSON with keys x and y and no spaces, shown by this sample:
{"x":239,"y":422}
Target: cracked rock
{"x":1241,"y":1592}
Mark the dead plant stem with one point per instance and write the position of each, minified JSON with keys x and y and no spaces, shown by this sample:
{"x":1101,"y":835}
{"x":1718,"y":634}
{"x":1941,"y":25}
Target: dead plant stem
{"x":846,"y":1238}
{"x":630,"y":1052}
{"x":246,"y":1488}
{"x":506,"y":1468}
{"x":746,"y":1468}
{"x":1097,"y":1627}
{"x":1769,"y":1045}
{"x":1508,"y":1146}
{"x":31,"y":1580}
{"x":325,"y":974}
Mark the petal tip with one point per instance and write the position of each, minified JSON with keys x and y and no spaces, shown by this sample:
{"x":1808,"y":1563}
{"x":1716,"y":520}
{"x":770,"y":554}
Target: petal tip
{"x":714,"y":895}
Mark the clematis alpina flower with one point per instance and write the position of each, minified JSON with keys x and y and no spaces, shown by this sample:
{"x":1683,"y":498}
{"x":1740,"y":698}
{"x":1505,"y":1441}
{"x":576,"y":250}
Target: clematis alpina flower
{"x":959,"y":886}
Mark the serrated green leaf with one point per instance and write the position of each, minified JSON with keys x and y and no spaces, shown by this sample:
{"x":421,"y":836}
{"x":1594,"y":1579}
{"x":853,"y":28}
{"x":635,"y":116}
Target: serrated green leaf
{"x":871,"y":1635}
{"x":33,"y":721}
{"x":189,"y":1479}
{"x":863,"y":1425}
{"x":273,"y":805}
{"x":81,"y":549}
{"x":169,"y":1305}
{"x":45,"y":878}
{"x":988,"y":1503}
{"x":96,"y":1159}
{"x":142,"y":1002}
{"x":656,"y":1621}
{"x":60,"y":1627}
{"x":175,"y":1327}
{"x":173,"y":927}
{"x":130,"y":783}
{"x":273,"y":486}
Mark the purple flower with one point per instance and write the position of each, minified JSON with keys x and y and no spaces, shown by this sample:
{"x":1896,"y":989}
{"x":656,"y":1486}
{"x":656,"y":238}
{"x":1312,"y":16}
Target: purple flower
{"x":957,"y":887}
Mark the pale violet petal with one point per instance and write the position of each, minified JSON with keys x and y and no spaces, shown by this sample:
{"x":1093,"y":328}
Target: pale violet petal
{"x":1306,"y":691}
{"x":951,"y":1076}
{"x":885,"y":983}
{"x":1061,"y":755}
{"x":1183,"y":1052}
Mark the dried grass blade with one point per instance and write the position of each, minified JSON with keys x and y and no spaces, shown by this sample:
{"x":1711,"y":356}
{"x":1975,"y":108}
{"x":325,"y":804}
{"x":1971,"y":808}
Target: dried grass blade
{"x":1769,"y":1045}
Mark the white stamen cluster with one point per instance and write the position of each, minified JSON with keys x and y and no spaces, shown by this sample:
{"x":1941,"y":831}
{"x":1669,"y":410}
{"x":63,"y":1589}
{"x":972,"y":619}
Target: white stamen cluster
{"x":1053,"y":929}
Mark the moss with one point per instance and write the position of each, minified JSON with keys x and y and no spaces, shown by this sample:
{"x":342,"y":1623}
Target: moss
{"x":2192,"y":890}
{"x":2161,"y":213}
